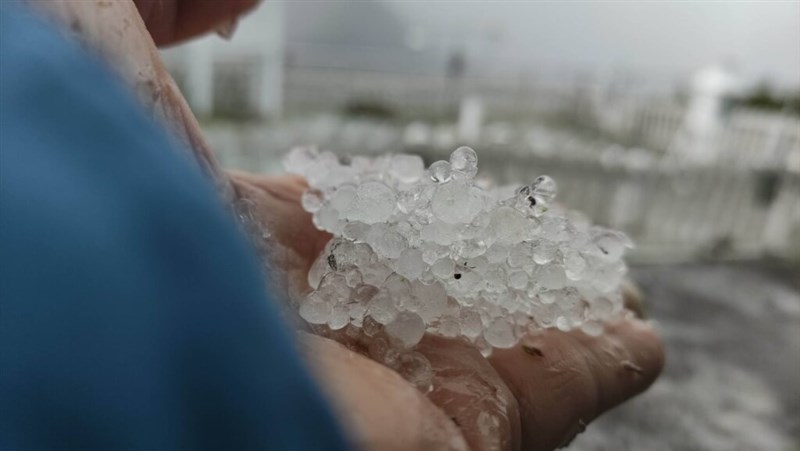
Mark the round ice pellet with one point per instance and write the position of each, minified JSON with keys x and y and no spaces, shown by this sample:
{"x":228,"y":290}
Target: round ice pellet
{"x":465,"y":161}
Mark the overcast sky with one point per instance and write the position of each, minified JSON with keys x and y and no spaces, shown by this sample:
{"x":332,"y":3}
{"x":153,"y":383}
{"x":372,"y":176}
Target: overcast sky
{"x":761,"y":39}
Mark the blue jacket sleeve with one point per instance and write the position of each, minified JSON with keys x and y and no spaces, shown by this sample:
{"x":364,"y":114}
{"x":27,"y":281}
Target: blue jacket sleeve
{"x":132,"y":311}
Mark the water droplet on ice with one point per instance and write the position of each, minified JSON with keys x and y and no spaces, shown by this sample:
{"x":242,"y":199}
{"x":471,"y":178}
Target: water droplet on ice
{"x":465,"y":161}
{"x":441,"y":171}
{"x":545,"y":188}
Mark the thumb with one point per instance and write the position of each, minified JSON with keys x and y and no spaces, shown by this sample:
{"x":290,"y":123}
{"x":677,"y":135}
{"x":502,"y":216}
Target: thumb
{"x":564,"y":380}
{"x":171,"y":21}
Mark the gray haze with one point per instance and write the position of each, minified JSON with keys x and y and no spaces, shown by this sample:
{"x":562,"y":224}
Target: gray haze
{"x":762,"y":39}
{"x":667,"y":39}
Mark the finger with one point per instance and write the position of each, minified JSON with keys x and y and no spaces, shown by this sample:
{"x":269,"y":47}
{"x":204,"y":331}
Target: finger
{"x":633,"y":298}
{"x":295,"y":242}
{"x":172,"y":21}
{"x":286,"y":186}
{"x":277,"y":202}
{"x":380,"y":410}
{"x":564,"y":380}
{"x":472,"y":394}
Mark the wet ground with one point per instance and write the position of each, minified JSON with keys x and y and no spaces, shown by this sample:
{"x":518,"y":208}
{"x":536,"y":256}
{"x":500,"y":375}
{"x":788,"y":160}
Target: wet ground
{"x":732,"y":379}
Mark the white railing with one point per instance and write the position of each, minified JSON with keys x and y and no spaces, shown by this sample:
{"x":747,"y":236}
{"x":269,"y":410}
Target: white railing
{"x":747,"y":138}
{"x":672,"y":211}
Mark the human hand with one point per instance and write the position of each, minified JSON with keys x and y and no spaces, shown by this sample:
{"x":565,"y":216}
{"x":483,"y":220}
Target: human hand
{"x":172,"y":21}
{"x":535,"y":396}
{"x":125,"y":33}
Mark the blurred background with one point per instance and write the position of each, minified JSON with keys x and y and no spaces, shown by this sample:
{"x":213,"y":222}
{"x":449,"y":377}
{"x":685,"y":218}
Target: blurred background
{"x":676,"y":122}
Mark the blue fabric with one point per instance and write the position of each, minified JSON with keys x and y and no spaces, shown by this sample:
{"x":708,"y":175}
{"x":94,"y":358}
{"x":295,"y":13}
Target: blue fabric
{"x":132,"y":311}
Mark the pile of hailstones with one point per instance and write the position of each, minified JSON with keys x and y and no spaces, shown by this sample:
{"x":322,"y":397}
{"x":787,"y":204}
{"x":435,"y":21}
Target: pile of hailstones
{"x":418,"y":250}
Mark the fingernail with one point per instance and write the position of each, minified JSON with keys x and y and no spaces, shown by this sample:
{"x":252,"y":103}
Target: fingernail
{"x":227,"y":29}
{"x":574,"y":432}
{"x":633,"y":299}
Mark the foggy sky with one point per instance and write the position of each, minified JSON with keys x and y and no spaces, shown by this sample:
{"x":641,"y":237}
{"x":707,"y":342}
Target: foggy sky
{"x":761,"y":40}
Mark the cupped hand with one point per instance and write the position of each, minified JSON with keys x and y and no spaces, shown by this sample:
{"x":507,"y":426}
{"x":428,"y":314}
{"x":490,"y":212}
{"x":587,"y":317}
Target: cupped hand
{"x":535,"y":396}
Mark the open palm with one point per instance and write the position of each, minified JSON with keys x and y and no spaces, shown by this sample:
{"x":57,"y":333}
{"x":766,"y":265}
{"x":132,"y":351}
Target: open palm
{"x":535,"y":396}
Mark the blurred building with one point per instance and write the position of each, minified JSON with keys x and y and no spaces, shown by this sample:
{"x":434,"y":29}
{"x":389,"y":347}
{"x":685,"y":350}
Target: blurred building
{"x":240,"y":77}
{"x":712,"y":90}
{"x":674,"y":162}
